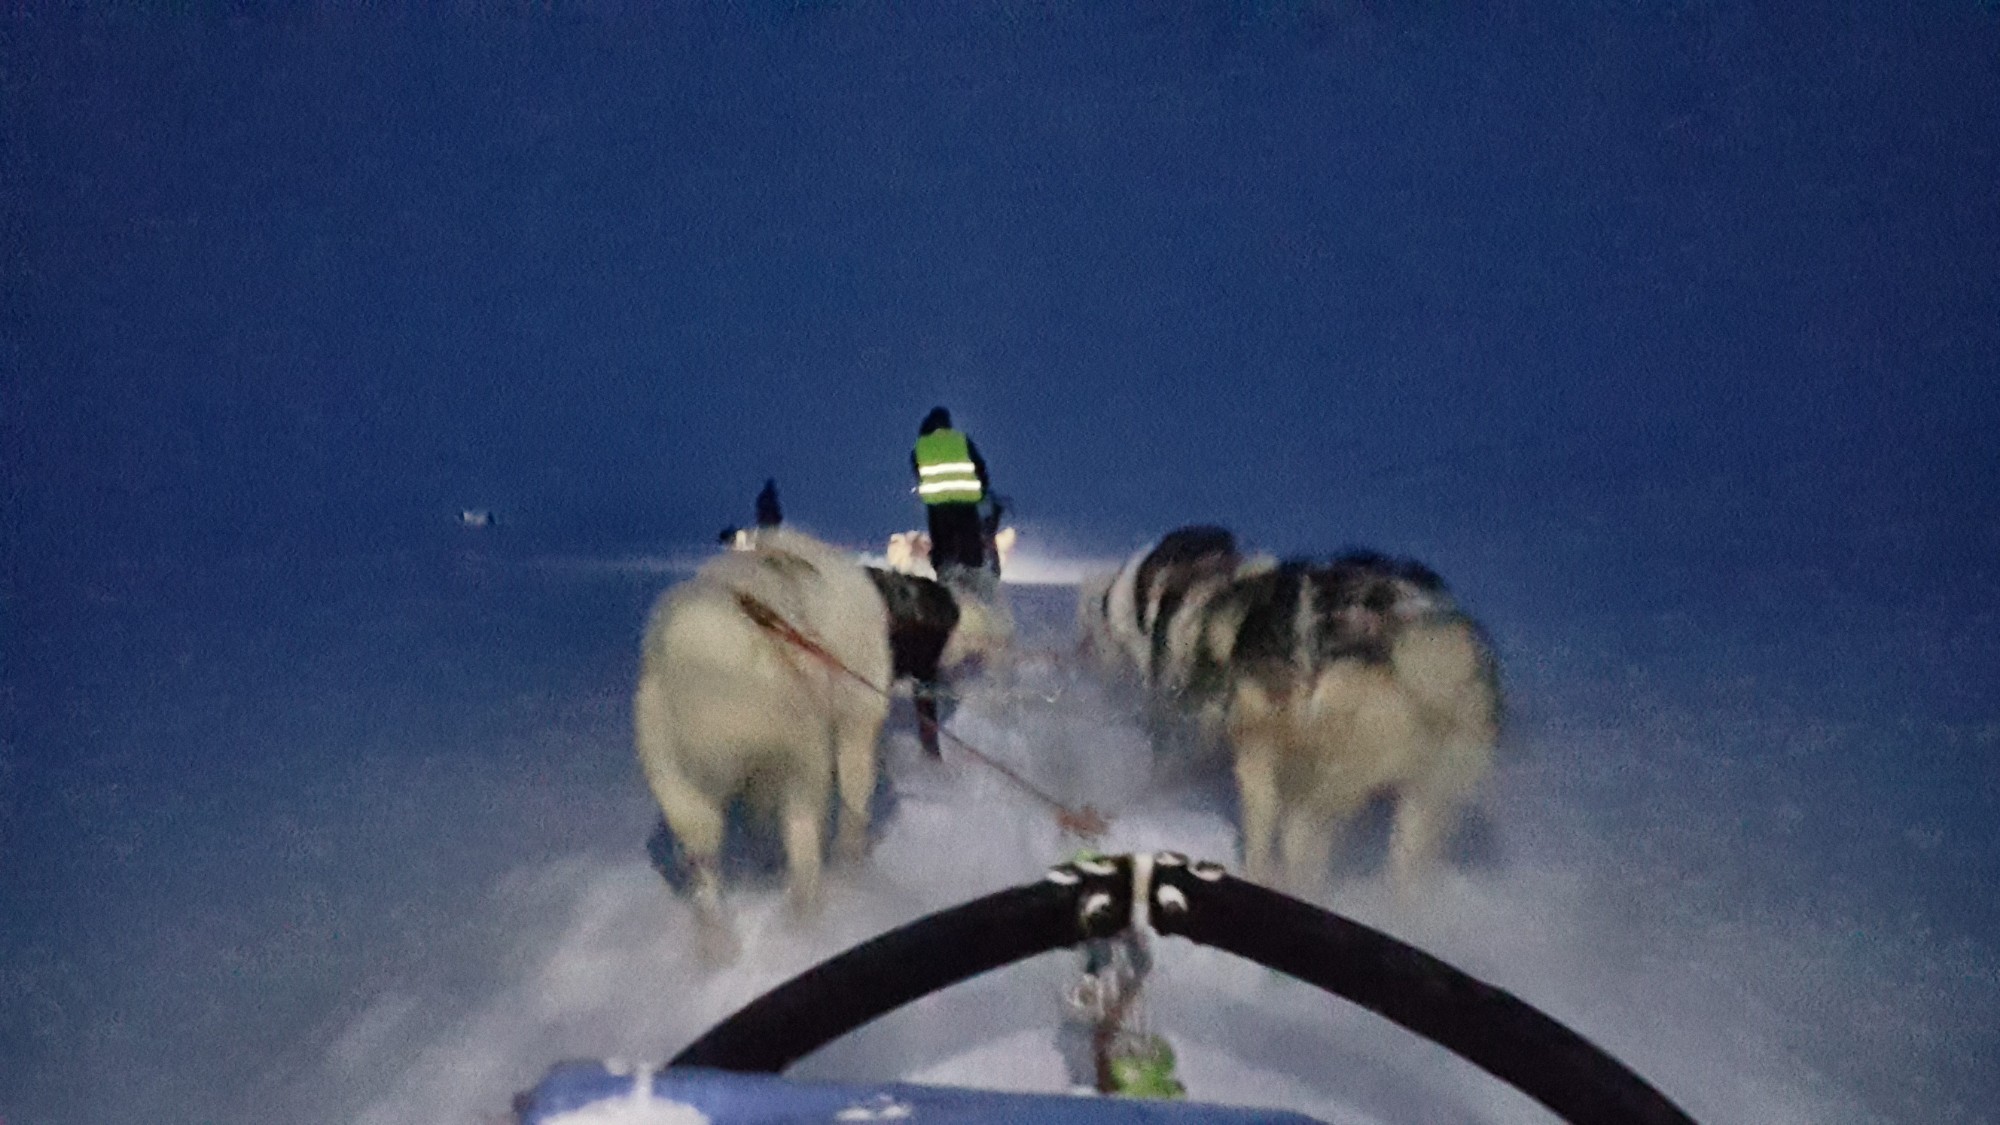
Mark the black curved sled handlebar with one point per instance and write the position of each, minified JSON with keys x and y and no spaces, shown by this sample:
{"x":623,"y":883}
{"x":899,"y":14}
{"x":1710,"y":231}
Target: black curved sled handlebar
{"x":1487,"y":1026}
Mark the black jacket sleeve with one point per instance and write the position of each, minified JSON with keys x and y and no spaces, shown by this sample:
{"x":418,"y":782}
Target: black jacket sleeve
{"x":978,"y":466}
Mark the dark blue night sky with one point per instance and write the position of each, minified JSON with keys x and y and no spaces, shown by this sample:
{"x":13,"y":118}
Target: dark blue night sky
{"x":1328,"y":271}
{"x":1666,"y":331}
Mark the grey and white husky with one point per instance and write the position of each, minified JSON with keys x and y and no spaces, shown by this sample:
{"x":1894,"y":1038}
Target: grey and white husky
{"x":1328,"y":680}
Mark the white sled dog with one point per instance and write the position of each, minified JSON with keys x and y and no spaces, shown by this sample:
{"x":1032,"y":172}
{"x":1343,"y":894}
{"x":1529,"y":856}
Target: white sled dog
{"x":725,"y":705}
{"x":1329,"y":681}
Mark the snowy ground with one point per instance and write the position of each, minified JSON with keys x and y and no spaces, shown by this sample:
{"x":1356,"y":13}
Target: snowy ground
{"x":363,"y":843}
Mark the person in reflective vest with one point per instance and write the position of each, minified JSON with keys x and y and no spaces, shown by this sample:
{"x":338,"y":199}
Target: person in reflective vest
{"x":951,"y":480}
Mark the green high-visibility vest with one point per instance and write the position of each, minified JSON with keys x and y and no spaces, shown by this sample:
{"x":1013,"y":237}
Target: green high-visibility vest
{"x":945,"y":473}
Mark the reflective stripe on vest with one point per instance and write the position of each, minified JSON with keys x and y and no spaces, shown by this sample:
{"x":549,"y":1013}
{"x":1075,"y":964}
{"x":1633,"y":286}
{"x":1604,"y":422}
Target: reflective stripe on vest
{"x":945,"y":472}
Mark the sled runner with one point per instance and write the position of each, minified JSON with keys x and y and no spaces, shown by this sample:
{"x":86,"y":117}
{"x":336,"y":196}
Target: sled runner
{"x":731,"y":1074}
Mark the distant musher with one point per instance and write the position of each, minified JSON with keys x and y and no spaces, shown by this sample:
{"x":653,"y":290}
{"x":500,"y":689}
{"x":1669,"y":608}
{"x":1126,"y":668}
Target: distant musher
{"x":769,"y":515}
{"x":952,"y":481}
{"x":768,"y":512}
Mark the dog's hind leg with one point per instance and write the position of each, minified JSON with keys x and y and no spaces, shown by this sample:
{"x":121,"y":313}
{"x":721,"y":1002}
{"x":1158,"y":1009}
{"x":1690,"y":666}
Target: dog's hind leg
{"x":1259,"y":730}
{"x":1257,"y":796}
{"x":1424,"y":822}
{"x":1428,"y":808}
{"x":854,"y":740}
{"x":1306,"y":841}
{"x":802,"y":819}
{"x":694,"y":817}
{"x":1460,"y":702}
